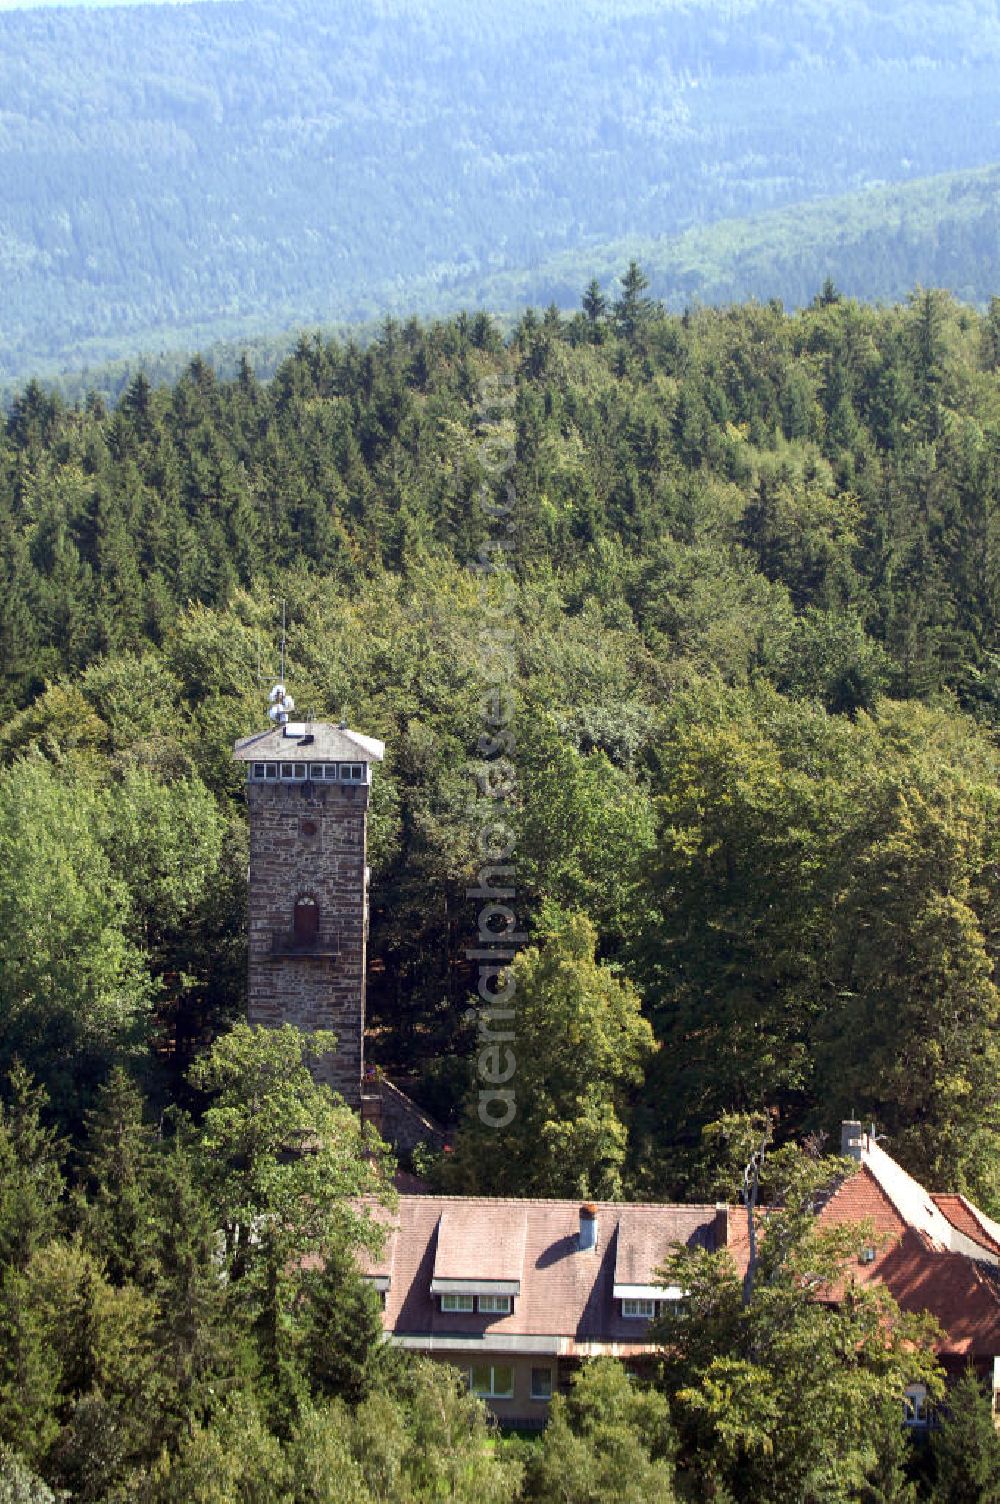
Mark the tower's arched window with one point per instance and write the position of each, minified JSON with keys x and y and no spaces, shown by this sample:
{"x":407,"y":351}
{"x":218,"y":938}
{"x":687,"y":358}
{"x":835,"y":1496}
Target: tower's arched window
{"x":305,"y":920}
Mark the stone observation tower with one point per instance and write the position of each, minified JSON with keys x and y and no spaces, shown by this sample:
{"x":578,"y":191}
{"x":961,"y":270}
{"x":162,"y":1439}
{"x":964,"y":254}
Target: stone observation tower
{"x":307,"y":790}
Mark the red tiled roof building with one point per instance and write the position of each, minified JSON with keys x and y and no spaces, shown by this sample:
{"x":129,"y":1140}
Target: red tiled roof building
{"x":517,"y":1292}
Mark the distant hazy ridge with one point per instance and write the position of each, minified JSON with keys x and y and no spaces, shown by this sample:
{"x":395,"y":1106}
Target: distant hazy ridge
{"x":175,"y":174}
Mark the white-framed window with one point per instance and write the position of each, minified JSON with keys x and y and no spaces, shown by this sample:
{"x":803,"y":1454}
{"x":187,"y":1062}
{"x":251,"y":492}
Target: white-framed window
{"x":495,"y":1305}
{"x":292,"y":771}
{"x":457,"y":1302}
{"x":639,"y":1310}
{"x":352,"y":772}
{"x":915,"y":1405}
{"x":541,"y":1383}
{"x":492,"y":1381}
{"x":261,"y":770}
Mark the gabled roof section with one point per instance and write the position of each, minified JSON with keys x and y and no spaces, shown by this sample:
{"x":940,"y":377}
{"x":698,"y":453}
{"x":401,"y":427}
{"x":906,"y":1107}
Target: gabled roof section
{"x":962,"y":1293}
{"x":918,"y":1270}
{"x":857,"y":1198}
{"x":968,"y":1219}
{"x":861,"y":1198}
{"x":919,"y":1209}
{"x":377,"y":1266}
{"x":312,"y":741}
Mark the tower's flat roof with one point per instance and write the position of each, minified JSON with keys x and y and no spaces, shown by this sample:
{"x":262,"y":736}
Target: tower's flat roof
{"x":312,"y":741}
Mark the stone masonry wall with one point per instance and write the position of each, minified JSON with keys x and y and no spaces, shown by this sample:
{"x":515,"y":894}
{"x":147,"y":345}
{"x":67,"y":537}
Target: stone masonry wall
{"x":398,"y":1119}
{"x":309,"y":839}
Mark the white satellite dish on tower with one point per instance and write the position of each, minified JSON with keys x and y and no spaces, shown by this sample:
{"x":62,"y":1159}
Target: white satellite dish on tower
{"x":281,"y":705}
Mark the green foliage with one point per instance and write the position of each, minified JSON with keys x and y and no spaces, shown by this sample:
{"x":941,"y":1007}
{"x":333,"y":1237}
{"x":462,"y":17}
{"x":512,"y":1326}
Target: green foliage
{"x":188,"y":1272}
{"x":832,"y":659}
{"x":31,"y":1181}
{"x":609,"y":1442}
{"x":285,"y":1154}
{"x":752,"y":883}
{"x":73,"y":990}
{"x":18,"y":1485}
{"x":749,"y":1377}
{"x":200,"y":1348}
{"x":584,"y":828}
{"x":442,"y":1447}
{"x":345,"y":1355}
{"x":236,"y":1460}
{"x":287,"y":1168}
{"x":118,"y":1210}
{"x":736,"y":532}
{"x":579,"y":1044}
{"x":104,"y":1337}
{"x":322,"y":1461}
{"x":30,"y":1370}
{"x":165,"y":841}
{"x":966,"y":1448}
{"x":430,"y":1444}
{"x":824,"y":906}
{"x":631,"y":310}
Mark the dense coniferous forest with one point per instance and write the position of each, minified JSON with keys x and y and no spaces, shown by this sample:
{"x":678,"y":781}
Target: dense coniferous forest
{"x":754,"y":568}
{"x":753,"y":589}
{"x":409,"y":164}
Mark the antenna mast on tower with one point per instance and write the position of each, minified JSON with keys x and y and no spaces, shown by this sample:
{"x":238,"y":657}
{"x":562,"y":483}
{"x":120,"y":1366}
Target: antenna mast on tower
{"x":280,"y":701}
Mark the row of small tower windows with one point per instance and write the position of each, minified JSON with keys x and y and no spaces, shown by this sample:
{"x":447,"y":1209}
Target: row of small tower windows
{"x":344,"y":772}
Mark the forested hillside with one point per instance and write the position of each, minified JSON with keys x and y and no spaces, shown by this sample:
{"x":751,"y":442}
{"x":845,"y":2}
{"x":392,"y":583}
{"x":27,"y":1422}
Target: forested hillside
{"x":755,"y":604}
{"x":752,"y":592}
{"x":875,"y":244}
{"x":180,"y":173}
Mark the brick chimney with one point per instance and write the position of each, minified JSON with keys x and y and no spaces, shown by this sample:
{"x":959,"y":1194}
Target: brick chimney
{"x":852,"y":1140}
{"x":720,"y":1225}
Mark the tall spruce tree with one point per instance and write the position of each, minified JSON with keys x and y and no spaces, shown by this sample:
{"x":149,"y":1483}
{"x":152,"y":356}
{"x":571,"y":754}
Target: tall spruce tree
{"x":965,"y":1450}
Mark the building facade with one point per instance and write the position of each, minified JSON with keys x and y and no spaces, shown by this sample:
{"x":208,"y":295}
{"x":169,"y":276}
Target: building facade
{"x":308,"y":787}
{"x":516,"y":1293}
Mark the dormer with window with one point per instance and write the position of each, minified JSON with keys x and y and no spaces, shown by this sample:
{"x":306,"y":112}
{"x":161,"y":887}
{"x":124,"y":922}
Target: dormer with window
{"x":474,"y":1275}
{"x":648,"y":1302}
{"x":639,"y":1253}
{"x":489,"y":1304}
